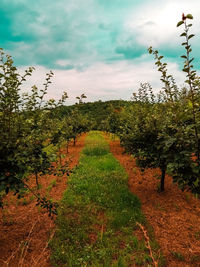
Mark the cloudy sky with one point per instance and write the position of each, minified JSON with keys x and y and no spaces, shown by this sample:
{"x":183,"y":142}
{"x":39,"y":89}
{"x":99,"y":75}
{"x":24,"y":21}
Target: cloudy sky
{"x":96,"y":47}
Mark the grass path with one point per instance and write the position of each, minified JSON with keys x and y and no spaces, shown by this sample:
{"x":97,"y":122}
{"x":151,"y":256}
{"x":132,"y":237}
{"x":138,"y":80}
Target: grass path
{"x":97,"y":221}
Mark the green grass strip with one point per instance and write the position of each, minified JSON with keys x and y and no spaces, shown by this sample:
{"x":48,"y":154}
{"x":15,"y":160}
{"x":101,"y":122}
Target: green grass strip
{"x":98,"y":214}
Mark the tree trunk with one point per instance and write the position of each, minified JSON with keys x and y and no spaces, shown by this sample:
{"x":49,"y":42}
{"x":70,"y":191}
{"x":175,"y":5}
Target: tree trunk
{"x":60,"y":157}
{"x":74,"y":141}
{"x":36,"y":179}
{"x":162,"y":181}
{"x":67,"y":147}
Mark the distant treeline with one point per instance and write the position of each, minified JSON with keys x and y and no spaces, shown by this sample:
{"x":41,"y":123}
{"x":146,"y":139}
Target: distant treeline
{"x":97,"y":112}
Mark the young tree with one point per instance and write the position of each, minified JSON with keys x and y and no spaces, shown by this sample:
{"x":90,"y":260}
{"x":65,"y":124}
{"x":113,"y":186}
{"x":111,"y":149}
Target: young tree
{"x":12,"y":125}
{"x":24,"y":131}
{"x":164,"y":133}
{"x":141,"y":131}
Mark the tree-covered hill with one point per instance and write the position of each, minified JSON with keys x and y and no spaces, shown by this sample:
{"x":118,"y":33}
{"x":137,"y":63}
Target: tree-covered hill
{"x":97,"y":112}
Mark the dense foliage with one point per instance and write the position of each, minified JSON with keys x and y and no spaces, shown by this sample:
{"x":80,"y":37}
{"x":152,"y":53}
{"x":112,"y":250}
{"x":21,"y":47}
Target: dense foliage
{"x":96,"y":112}
{"x":31,"y":131}
{"x":163,"y":131}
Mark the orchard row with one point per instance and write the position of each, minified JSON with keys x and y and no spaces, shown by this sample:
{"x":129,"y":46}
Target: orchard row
{"x":159,"y":130}
{"x":164,"y":130}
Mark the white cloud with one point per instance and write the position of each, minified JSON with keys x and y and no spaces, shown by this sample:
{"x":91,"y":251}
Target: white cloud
{"x":63,"y":62}
{"x":155,"y":24}
{"x":102,"y":81}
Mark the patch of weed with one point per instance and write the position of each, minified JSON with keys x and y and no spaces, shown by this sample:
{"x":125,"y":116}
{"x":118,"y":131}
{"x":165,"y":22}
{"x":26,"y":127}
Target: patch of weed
{"x":187,"y":198}
{"x":195,"y":259}
{"x":24,"y":202}
{"x":178,"y":255}
{"x":51,"y":185}
{"x":197,"y":235}
{"x":32,"y":197}
{"x":176,"y":206}
{"x":159,"y":207}
{"x":7,"y":218}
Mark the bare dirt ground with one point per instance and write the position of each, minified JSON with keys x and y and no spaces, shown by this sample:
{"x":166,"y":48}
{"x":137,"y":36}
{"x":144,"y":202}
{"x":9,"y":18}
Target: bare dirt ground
{"x":173,"y":214}
{"x":25,"y":228}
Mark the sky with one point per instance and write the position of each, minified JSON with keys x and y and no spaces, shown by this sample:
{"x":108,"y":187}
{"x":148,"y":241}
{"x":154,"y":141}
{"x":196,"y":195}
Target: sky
{"x":96,"y":47}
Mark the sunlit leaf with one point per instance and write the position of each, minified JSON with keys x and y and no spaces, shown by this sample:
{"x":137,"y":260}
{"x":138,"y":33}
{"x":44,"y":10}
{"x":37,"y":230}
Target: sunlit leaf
{"x":189,"y":16}
{"x":179,"y":23}
{"x":190,"y":36}
{"x":183,"y":34}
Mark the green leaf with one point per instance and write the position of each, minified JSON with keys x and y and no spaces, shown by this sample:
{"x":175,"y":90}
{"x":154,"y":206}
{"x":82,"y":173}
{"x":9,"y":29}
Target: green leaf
{"x":186,"y":69}
{"x":191,"y":60}
{"x":190,"y":36}
{"x":189,"y":16}
{"x":179,"y":23}
{"x":183,"y":34}
{"x":150,"y":50}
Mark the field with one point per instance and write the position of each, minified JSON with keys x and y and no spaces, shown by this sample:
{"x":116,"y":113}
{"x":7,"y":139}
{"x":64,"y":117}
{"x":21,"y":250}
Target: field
{"x":109,"y":215}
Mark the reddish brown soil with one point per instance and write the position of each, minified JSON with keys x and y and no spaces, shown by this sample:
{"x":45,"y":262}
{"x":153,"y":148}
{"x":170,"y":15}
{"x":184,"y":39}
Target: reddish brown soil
{"x":24,"y":228}
{"x":173,"y":214}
